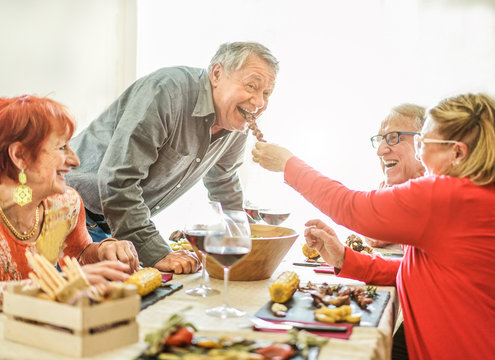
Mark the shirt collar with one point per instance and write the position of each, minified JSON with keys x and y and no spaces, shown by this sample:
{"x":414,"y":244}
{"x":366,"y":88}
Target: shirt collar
{"x":204,"y":104}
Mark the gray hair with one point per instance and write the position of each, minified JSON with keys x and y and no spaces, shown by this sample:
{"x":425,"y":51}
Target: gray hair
{"x":407,"y":110}
{"x":232,"y":56}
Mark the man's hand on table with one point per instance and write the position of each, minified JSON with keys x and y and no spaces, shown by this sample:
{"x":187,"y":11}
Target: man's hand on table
{"x":180,"y":262}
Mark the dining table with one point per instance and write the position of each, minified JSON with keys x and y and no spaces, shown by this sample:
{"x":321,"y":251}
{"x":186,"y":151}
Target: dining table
{"x":364,"y":342}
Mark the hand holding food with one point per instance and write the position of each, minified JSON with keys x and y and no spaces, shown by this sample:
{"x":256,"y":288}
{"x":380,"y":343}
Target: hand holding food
{"x":121,"y":250}
{"x":322,"y":237}
{"x":180,"y":262}
{"x":270,"y":156}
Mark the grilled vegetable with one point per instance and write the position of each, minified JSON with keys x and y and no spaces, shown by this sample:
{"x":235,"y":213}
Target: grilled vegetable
{"x":342,"y":313}
{"x":158,"y":338}
{"x":310,"y":253}
{"x":282,"y":289}
{"x":146,"y":280}
{"x":181,"y":337}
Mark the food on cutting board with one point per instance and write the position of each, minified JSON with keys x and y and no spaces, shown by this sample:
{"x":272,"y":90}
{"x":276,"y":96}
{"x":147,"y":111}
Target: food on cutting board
{"x":282,"y":289}
{"x":336,"y":314}
{"x":338,"y":295}
{"x":279,"y":310}
{"x":146,"y":280}
{"x":357,"y":244}
{"x":177,"y":339}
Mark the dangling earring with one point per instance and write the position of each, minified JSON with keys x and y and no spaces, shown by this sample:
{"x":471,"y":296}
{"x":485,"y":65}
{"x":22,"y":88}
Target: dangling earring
{"x":22,"y":194}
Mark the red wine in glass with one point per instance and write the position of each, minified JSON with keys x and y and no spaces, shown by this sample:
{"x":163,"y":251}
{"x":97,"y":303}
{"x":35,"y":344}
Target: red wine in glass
{"x":227,"y":249}
{"x":228,"y":256}
{"x":273,"y":217}
{"x":197,"y":239}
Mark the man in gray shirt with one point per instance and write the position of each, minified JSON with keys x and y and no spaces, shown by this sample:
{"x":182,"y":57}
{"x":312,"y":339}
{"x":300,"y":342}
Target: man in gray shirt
{"x":167,"y":131}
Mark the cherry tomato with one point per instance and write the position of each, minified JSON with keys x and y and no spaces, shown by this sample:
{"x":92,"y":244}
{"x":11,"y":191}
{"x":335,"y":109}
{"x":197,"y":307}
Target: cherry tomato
{"x":276,"y":352}
{"x":181,"y":337}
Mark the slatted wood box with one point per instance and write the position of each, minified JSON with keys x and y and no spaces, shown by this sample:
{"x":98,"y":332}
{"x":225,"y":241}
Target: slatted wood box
{"x":78,"y":331}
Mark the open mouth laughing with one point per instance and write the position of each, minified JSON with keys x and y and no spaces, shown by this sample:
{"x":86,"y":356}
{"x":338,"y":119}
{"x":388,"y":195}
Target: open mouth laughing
{"x":389,"y":163}
{"x":248,"y":115}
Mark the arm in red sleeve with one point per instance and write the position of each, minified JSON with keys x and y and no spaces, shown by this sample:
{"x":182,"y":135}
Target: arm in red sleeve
{"x":393,"y":214}
{"x":370,"y":269}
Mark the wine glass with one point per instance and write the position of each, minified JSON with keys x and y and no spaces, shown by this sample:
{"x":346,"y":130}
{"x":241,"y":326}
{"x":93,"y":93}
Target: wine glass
{"x":252,"y":210}
{"x":205,"y":219}
{"x":274,"y":216}
{"x":227,"y":249}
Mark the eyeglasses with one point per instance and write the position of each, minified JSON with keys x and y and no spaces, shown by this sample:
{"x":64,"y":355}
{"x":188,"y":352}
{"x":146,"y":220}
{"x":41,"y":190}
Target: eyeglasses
{"x":420,"y":141}
{"x":392,"y":138}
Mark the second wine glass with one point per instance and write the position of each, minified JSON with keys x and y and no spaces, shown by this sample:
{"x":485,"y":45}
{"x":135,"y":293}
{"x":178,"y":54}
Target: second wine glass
{"x":201,"y":222}
{"x":227,"y":249}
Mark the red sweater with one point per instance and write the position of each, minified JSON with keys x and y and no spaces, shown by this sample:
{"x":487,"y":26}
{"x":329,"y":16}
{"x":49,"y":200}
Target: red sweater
{"x":446,"y":279}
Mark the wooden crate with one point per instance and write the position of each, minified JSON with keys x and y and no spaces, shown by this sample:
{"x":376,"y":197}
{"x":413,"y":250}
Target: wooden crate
{"x":69,"y":330}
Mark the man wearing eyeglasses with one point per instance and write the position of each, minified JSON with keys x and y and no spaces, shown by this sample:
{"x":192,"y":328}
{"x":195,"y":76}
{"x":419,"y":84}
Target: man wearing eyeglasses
{"x":394,"y":146}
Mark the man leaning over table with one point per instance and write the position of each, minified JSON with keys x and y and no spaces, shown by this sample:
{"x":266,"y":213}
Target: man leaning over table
{"x":167,"y":131}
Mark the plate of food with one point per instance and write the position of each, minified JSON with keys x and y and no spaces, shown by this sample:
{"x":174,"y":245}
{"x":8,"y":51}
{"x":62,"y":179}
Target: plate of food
{"x":178,"y":339}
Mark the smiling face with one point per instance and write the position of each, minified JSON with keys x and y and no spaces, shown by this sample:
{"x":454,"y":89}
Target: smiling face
{"x":46,"y":175}
{"x":242,"y":94}
{"x":398,"y":162}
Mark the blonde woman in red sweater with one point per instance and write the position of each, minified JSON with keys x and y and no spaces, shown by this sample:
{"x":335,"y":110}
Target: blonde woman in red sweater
{"x":445,"y":220}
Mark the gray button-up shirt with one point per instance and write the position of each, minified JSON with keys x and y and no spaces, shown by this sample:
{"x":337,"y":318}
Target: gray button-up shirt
{"x":148,"y":148}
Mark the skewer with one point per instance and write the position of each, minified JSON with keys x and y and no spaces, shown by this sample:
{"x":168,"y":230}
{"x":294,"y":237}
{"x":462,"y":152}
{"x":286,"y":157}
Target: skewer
{"x":255,"y":130}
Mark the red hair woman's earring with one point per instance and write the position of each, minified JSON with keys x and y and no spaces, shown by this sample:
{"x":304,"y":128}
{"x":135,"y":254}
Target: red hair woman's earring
{"x":23,"y":194}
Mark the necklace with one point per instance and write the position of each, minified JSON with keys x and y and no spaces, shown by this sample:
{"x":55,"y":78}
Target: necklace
{"x":16,"y":233}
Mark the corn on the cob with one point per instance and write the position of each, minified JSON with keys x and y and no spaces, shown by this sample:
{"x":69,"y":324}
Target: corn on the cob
{"x":146,"y":280}
{"x":282,"y":289}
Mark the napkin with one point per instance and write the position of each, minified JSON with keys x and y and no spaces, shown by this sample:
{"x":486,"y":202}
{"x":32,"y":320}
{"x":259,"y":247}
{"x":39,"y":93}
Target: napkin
{"x":325,"y":269}
{"x":336,"y":335}
{"x":166,"y":277}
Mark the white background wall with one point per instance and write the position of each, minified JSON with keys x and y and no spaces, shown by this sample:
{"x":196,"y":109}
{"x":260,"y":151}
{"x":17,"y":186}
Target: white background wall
{"x":343,"y":65}
{"x":81,"y":53}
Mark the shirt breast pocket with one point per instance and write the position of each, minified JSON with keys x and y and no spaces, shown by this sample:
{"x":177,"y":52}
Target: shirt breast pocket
{"x":171,"y":164}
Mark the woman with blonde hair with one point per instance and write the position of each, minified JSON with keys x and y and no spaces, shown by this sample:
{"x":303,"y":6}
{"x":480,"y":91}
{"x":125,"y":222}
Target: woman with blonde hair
{"x":446,"y":221}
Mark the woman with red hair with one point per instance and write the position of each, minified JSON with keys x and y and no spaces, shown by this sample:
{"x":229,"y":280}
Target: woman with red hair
{"x":38,"y":212}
